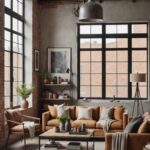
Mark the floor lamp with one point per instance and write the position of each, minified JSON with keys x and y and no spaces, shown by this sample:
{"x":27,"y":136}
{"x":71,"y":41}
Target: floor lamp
{"x":138,"y":77}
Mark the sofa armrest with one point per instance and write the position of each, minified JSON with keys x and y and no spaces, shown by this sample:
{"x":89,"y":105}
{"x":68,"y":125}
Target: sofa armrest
{"x":125,"y":120}
{"x":135,"y":141}
{"x":45,"y":119}
{"x":130,"y":118}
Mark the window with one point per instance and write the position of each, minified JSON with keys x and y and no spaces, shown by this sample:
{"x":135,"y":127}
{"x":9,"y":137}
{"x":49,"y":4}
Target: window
{"x":108,"y":54}
{"x":14,"y":50}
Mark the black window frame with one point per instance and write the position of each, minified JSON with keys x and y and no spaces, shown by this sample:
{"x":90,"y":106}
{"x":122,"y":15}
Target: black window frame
{"x":130,"y":35}
{"x":18,"y":17}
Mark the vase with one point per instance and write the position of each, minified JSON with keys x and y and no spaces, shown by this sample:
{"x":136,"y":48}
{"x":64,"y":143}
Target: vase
{"x":62,"y":126}
{"x":24,"y":104}
{"x":67,"y":126}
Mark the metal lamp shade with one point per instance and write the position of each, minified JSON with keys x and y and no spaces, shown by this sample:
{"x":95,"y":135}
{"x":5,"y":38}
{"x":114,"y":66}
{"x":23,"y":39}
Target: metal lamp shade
{"x":138,"y":77}
{"x":91,"y":12}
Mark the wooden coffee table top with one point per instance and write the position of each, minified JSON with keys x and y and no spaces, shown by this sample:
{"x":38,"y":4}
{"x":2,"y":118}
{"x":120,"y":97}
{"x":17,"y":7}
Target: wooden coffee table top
{"x":65,"y":135}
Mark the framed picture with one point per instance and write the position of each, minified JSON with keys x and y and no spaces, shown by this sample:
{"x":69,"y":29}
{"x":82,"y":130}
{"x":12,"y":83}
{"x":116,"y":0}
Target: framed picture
{"x":59,"y":60}
{"x":36,"y":59}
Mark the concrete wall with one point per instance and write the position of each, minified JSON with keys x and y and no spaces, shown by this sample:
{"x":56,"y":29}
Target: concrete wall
{"x":58,"y":29}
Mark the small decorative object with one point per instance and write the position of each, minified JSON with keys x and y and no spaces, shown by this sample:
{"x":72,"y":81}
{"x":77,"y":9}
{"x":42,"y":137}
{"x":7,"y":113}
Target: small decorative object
{"x":83,"y":128}
{"x":59,"y":80}
{"x":65,"y":96}
{"x":67,"y":125}
{"x":24,"y":93}
{"x":54,"y":96}
{"x":62,"y":120}
{"x":55,"y":80}
{"x":50,"y":95}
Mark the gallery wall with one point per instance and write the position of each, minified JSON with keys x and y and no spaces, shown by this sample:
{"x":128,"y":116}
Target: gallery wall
{"x":58,"y":26}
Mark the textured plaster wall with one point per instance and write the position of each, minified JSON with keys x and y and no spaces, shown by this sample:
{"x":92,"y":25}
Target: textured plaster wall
{"x":58,"y":29}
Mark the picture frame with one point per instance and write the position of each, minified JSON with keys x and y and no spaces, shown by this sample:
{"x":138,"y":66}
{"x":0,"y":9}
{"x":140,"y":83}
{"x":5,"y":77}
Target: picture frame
{"x":59,"y":61}
{"x":36,"y":59}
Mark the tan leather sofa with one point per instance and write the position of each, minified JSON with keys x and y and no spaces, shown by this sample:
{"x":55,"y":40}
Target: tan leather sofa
{"x":135,"y":141}
{"x":49,"y":119}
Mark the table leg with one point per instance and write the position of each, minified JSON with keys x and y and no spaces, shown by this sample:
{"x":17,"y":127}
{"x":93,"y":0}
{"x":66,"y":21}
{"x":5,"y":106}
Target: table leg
{"x":87,"y":145}
{"x":39,"y":143}
{"x":93,"y":141}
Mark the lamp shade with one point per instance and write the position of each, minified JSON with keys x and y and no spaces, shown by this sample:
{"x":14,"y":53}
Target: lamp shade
{"x":138,"y":77}
{"x":91,"y":12}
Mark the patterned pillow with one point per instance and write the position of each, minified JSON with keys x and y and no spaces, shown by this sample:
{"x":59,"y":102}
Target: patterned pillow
{"x":106,"y":113}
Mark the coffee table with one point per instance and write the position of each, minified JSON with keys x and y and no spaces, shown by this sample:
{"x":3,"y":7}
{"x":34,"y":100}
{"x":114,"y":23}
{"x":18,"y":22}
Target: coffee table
{"x":65,"y":136}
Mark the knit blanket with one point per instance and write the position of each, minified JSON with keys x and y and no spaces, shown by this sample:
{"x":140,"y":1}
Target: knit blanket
{"x":31,"y":127}
{"x":105,"y":124}
{"x":119,"y":141}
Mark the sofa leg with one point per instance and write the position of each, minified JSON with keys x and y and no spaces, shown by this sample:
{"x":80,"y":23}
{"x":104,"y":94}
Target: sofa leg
{"x":24,"y":138}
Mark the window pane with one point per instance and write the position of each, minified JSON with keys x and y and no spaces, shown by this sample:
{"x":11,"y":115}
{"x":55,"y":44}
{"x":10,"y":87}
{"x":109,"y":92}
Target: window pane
{"x":85,"y":79}
{"x":7,"y":102}
{"x":15,"y":74}
{"x":139,"y":56}
{"x":7,"y":45}
{"x":7,"y":73}
{"x":122,"y":79}
{"x":111,"y":67}
{"x":85,"y":56}
{"x":20,"y":39}
{"x":85,"y":91}
{"x":84,"y":43}
{"x":122,"y":42}
{"x":20,"y":11}
{"x":96,"y":56}
{"x":7,"y":88}
{"x":139,"y":67}
{"x":20,"y":74}
{"x":15,"y":60}
{"x":15,"y":85}
{"x":122,"y":55}
{"x":110,"y":91}
{"x":111,"y":56}
{"x":7,"y":21}
{"x":139,"y":28}
{"x":85,"y":29}
{"x":111,"y":43}
{"x":15,"y":24}
{"x":96,"y":79}
{"x":122,"y":29}
{"x":7,"y":59}
{"x":16,"y":101}
{"x":15,"y":6}
{"x":110,"y":79}
{"x":122,"y":91}
{"x":139,"y":43}
{"x":111,"y":29}
{"x":96,"y":43}
{"x":7,"y":35}
{"x":122,"y":67}
{"x":85,"y":67}
{"x":20,"y":58}
{"x":20,"y":26}
{"x":15,"y":47}
{"x":96,"y":67}
{"x":7,"y":3}
{"x":143,"y":91}
{"x":15,"y":38}
{"x":96,"y":91}
{"x":96,"y":29}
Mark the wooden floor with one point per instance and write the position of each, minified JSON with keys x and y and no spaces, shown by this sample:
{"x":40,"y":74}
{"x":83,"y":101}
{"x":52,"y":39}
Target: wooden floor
{"x":32,"y":144}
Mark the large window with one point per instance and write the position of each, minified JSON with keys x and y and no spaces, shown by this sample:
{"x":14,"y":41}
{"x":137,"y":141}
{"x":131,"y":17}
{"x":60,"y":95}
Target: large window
{"x":14,"y":50}
{"x":108,"y":54}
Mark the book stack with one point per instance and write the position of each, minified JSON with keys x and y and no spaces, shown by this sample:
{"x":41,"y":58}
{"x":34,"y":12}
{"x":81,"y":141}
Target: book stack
{"x":74,"y":146}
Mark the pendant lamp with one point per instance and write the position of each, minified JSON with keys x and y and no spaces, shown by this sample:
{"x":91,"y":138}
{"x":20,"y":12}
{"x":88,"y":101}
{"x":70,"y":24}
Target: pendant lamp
{"x":91,"y":12}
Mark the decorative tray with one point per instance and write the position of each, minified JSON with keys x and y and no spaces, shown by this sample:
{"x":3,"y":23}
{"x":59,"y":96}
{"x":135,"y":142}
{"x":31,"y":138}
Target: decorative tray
{"x":78,"y":132}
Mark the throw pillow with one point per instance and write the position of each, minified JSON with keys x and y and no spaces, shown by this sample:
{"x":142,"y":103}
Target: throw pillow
{"x":146,"y":116}
{"x":84,"y":113}
{"x":144,"y":127}
{"x":118,"y":112}
{"x":53,"y":111}
{"x":133,"y":126}
{"x":106,"y":113}
{"x":61,"y":111}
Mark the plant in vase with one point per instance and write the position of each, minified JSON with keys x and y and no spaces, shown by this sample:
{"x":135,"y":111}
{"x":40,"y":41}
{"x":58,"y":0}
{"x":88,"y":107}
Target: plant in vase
{"x":62,"y":120}
{"x":46,"y":77}
{"x":24,"y":92}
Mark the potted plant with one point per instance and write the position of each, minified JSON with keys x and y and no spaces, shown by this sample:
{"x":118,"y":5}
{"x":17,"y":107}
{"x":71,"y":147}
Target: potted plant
{"x":46,"y":77}
{"x":62,"y":120}
{"x":24,"y":92}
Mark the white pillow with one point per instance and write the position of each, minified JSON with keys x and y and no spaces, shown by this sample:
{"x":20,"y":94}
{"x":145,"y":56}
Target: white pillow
{"x":106,"y":113}
{"x":61,"y":111}
{"x":84,"y":113}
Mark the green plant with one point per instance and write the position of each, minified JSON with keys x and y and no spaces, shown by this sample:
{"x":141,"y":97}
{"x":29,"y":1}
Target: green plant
{"x":63,"y":118}
{"x":24,"y":92}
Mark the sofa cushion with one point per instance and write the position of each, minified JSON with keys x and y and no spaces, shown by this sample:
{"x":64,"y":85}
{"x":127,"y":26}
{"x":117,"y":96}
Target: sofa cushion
{"x":72,"y":111}
{"x":114,"y":125}
{"x":52,"y":111}
{"x":84,"y":113}
{"x":53,"y":122}
{"x":133,"y":126}
{"x":118,"y":112}
{"x":144,"y":127}
{"x":88,"y":123}
{"x":106,"y":113}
